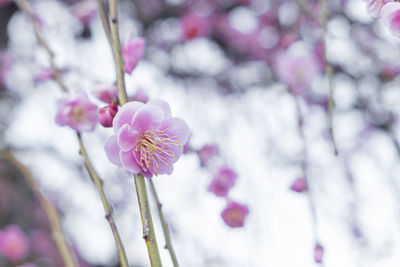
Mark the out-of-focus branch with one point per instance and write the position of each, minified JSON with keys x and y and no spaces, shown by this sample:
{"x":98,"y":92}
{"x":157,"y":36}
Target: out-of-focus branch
{"x":24,"y":6}
{"x":168,"y":243}
{"x":328,"y":71}
{"x":95,"y":178}
{"x":304,"y":167}
{"x":107,"y":208}
{"x":51,"y":212}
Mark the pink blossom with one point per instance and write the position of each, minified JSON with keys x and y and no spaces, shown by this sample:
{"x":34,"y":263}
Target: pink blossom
{"x":375,"y":7}
{"x":299,"y":185}
{"x":297,"y":70}
{"x":194,"y":25}
{"x":106,"y":92}
{"x":5,"y":66}
{"x":132,"y":52}
{"x":223,"y":180}
{"x":84,"y":11}
{"x":318,"y":253}
{"x":107,"y":114}
{"x":5,"y":2}
{"x":390,"y":14}
{"x":46,"y":74}
{"x":14,"y":244}
{"x":234,"y":214}
{"x":206,"y":153}
{"x":140,"y":96}
{"x":146,"y":138}
{"x":77,"y":112}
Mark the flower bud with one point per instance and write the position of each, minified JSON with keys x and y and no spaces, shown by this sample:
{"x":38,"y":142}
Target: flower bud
{"x":107,"y":114}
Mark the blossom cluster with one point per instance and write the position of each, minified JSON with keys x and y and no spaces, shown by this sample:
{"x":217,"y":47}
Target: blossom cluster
{"x":223,"y":179}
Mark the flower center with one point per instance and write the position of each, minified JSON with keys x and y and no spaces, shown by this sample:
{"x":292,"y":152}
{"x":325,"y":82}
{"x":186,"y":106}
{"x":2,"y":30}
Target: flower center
{"x":155,"y":148}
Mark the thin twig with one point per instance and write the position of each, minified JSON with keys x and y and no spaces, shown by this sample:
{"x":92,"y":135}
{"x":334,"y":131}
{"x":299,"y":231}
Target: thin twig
{"x":23,"y":5}
{"x":105,"y":22}
{"x":148,"y":228}
{"x":107,"y":208}
{"x":328,"y":71}
{"x":304,"y":167}
{"x":58,"y":234}
{"x":168,"y":243}
{"x":113,"y":7}
{"x":95,"y":178}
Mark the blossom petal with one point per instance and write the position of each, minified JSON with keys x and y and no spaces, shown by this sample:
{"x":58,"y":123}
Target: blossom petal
{"x":127,"y":138}
{"x":129,"y":162}
{"x":112,"y":150}
{"x":163,"y":105}
{"x":125,"y":114}
{"x":147,"y":118}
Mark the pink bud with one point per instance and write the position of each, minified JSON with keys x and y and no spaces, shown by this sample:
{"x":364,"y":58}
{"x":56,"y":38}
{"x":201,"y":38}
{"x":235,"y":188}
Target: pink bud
{"x":107,"y":114}
{"x":318,"y":253}
{"x":206,"y":153}
{"x":234,"y":214}
{"x":223,"y":180}
{"x":106,"y":92}
{"x":132,"y":52}
{"x":14,"y":244}
{"x":194,"y":26}
{"x":84,"y":11}
{"x":299,"y":185}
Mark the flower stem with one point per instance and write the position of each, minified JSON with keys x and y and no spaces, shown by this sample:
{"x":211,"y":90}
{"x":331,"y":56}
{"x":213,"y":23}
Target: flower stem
{"x":58,"y":234}
{"x":107,"y":208}
{"x":148,"y":228}
{"x":95,"y":178}
{"x":113,"y":6}
{"x":144,"y":205}
{"x":168,"y":243}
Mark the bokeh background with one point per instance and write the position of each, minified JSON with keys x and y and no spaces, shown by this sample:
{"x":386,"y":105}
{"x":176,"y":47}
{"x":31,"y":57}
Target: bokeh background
{"x":218,"y":63}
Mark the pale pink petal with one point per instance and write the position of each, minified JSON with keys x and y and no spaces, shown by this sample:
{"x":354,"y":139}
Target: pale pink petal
{"x":112,"y":150}
{"x":129,"y":162}
{"x":127,"y":138}
{"x":125,"y":114}
{"x":163,"y":105}
{"x":147,"y":118}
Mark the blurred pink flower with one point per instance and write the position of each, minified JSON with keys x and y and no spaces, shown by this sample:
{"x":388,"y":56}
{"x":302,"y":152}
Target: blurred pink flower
{"x":106,"y":92}
{"x":299,"y":185}
{"x":140,"y":96}
{"x":318,"y":253}
{"x":84,"y":11}
{"x":5,"y":66}
{"x":146,"y":138}
{"x":107,"y":114}
{"x":223,"y":180}
{"x":206,"y":153}
{"x":194,"y":25}
{"x":46,"y":74}
{"x":297,"y":70}
{"x":390,"y":14}
{"x":77,"y":112}
{"x":14,"y":245}
{"x":5,"y":2}
{"x":234,"y":214}
{"x":375,"y":7}
{"x":132,"y":52}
